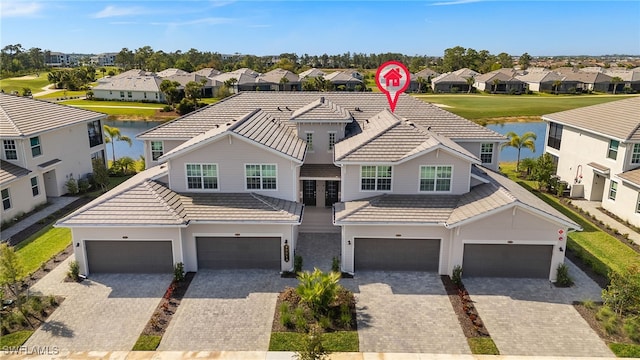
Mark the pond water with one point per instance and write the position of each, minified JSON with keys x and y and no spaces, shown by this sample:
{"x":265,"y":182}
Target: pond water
{"x":511,"y":154}
{"x":130,"y":129}
{"x":133,"y":128}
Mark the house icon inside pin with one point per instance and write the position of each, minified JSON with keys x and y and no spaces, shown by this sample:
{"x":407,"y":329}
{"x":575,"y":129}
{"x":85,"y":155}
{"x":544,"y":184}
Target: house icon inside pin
{"x":392,"y":77}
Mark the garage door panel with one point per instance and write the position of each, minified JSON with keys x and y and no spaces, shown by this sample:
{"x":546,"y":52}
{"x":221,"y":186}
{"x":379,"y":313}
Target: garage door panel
{"x":238,"y":252}
{"x":397,"y":254}
{"x":497,"y":260}
{"x":129,"y":256}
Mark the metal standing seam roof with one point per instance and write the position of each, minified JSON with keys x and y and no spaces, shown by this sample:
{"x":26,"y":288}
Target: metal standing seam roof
{"x":22,"y":116}
{"x":281,"y":105}
{"x":10,"y":172}
{"x":257,"y":126}
{"x":616,"y":119}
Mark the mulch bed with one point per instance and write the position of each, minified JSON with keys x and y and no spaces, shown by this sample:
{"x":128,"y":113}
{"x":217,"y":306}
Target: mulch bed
{"x":589,"y":315}
{"x":34,"y":320}
{"x":161,"y":317}
{"x":468,"y":317}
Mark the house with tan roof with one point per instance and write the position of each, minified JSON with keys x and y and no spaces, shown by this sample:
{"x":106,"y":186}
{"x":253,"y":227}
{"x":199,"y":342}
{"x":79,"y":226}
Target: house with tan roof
{"x":502,"y":81}
{"x":278,"y":80}
{"x":43,"y":146}
{"x":228,"y":187}
{"x":345,"y":80}
{"x":597,"y":151}
{"x":455,"y":81}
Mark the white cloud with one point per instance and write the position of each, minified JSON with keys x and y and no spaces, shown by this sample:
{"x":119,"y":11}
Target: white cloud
{"x":19,"y":9}
{"x":114,"y":11}
{"x":455,"y":2}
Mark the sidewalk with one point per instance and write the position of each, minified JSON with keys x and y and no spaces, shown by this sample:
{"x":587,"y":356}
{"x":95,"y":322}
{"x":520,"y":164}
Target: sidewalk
{"x":55,"y":204}
{"x":592,"y":208}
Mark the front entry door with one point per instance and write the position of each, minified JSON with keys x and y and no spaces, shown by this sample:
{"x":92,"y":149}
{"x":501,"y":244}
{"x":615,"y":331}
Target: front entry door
{"x":331,"y":193}
{"x":309,"y":192}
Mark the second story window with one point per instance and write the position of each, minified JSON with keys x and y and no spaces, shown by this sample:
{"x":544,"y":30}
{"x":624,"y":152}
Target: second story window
{"x":435,"y":178}
{"x":309,"y":141}
{"x":635,"y":155}
{"x":261,"y":176}
{"x":375,"y":178}
{"x":332,"y":140}
{"x":6,"y":199}
{"x":10,"y":151}
{"x":157,"y":150}
{"x":95,"y":133}
{"x":486,"y":153}
{"x":202,"y":176}
{"x":555,"y":135}
{"x":612,"y":153}
{"x":36,"y":149}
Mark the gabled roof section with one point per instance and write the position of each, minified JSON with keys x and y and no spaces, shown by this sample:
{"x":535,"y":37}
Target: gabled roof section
{"x":10,"y":172}
{"x":256,"y":126}
{"x":170,"y":72}
{"x":322,"y":110}
{"x":391,"y":139}
{"x":312,"y":73}
{"x":458,"y":76}
{"x":632,"y":177}
{"x":208,"y":72}
{"x":616,"y":119}
{"x":503,"y":75}
{"x":397,"y":209}
{"x":274,"y":76}
{"x":22,"y":116}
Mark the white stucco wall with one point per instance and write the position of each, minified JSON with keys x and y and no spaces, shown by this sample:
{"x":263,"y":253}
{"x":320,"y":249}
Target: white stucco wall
{"x":474,"y":148}
{"x":21,"y":195}
{"x":168,"y":145}
{"x":624,"y":206}
{"x":151,"y":96}
{"x":321,"y":153}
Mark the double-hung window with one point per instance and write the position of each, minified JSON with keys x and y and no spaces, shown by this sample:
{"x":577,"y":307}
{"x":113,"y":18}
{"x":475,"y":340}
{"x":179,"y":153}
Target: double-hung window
{"x":157,"y":150}
{"x":10,"y":150}
{"x":202,"y":176}
{"x":36,"y":149}
{"x":613,"y":190}
{"x":635,"y":154}
{"x":486,"y":153}
{"x":94,"y":130}
{"x":261,"y":176}
{"x":332,"y":140}
{"x":435,"y":178}
{"x":612,"y":153}
{"x":555,"y":135}
{"x":638,"y":205}
{"x":35,"y":190}
{"x":309,"y":141}
{"x":375,"y":178}
{"x":6,"y":199}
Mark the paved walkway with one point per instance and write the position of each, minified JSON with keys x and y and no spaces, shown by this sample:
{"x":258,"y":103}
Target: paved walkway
{"x":405,"y":312}
{"x":592,"y":208}
{"x":318,"y":250}
{"x":55,"y":204}
{"x":106,"y":313}
{"x":531,"y":317}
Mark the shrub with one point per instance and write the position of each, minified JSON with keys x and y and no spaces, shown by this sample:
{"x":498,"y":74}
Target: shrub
{"x":562,"y":276}
{"x":604,"y":313}
{"x":345,"y":316}
{"x":335,"y":264}
{"x":74,"y":271}
{"x":300,"y":319}
{"x":297,"y":264}
{"x":312,"y":348}
{"x":286,"y":318}
{"x":318,"y":290}
{"x":622,"y":294}
{"x":325,"y":322}
{"x":178,"y":272}
{"x":631,"y":327}
{"x":83,"y":186}
{"x":72,"y":186}
{"x":589,"y":304}
{"x":457,"y":275}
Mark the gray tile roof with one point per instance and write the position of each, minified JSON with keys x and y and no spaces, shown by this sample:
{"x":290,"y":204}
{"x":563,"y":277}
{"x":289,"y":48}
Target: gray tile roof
{"x":321,"y":110}
{"x":130,"y":73}
{"x":504,"y":75}
{"x":144,"y":201}
{"x":315,"y":171}
{"x":208,"y":72}
{"x":312,"y":73}
{"x":458,"y":76}
{"x":616,"y":119}
{"x":342,"y":77}
{"x":22,"y":117}
{"x":183,"y":79}
{"x":10,"y":172}
{"x":631,"y":176}
{"x":387,"y":138}
{"x":257,"y":126}
{"x":275,"y":75}
{"x":449,"y":210}
{"x":540,"y":76}
{"x":281,"y":105}
{"x":587,"y":77}
{"x":134,"y":83}
{"x":424,"y":73}
{"x":170,"y":72}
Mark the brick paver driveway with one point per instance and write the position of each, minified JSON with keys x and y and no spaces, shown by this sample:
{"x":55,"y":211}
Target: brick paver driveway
{"x":530,"y":317}
{"x":106,"y":313}
{"x":226,"y":311}
{"x":406,"y":312}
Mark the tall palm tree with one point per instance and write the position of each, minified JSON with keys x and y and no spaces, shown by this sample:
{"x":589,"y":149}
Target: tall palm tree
{"x":615,"y":80}
{"x":470,"y":81}
{"x":112,"y":135}
{"x":556,"y":85}
{"x":526,"y":140}
{"x":495,"y":82}
{"x":283,"y":83}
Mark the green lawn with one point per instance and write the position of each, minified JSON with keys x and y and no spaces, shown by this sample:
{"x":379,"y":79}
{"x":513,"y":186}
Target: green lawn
{"x":483,"y":346}
{"x":147,"y":343}
{"x":340,"y":341}
{"x":41,"y":247}
{"x":625,"y":350}
{"x":103,"y":103}
{"x":16,"y":339}
{"x":61,"y":94}
{"x":487,"y":106}
{"x":17,"y":84}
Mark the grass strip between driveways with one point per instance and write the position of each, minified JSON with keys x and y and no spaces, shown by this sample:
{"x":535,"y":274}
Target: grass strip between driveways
{"x":339,"y":341}
{"x":42,"y":246}
{"x":625,"y":350}
{"x":483,"y":346}
{"x":147,"y":343}
{"x":15,"y":339}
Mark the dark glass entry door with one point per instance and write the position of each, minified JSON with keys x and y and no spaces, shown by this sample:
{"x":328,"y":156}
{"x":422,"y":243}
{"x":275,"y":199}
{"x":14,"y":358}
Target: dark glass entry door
{"x":331,"y":192}
{"x":309,"y":192}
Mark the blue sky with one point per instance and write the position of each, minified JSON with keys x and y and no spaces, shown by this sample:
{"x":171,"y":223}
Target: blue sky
{"x":426,"y":27}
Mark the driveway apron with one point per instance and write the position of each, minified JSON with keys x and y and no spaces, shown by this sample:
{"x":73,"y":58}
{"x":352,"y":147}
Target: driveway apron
{"x":406,"y":312}
{"x":105,"y":313}
{"x":531,"y":317}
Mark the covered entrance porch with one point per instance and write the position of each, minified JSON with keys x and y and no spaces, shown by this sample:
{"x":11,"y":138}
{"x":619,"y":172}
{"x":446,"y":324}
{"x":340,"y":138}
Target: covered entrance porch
{"x":320,"y":184}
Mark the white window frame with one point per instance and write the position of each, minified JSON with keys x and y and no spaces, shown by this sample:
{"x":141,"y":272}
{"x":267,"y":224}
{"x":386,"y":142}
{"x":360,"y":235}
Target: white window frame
{"x":35,"y":189}
{"x":610,"y":149}
{"x":308,"y":137}
{"x":7,"y":198}
{"x":7,"y":147}
{"x":635,"y":154}
{"x":154,"y":158}
{"x":38,"y":146}
{"x":613,"y":190}
{"x":376,"y":178}
{"x":260,"y":176}
{"x":435,"y":180}
{"x":202,"y":177}
{"x":638,"y":204}
{"x":483,"y":152}
{"x":332,"y":140}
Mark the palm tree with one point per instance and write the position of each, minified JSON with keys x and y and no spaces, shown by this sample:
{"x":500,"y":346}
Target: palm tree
{"x":470,"y":81}
{"x":556,"y":85}
{"x":112,"y":135}
{"x":526,"y":140}
{"x":283,"y":83}
{"x":615,"y":80}
{"x":496,"y":82}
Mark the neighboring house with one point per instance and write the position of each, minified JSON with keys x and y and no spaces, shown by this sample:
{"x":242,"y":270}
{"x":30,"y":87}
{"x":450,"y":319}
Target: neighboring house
{"x":133,"y":88}
{"x":184,"y":79}
{"x":311,"y":73}
{"x":597,"y":151}
{"x":228,"y":184}
{"x":542,"y":81}
{"x":208,"y":72}
{"x":426,"y":75}
{"x":104,"y":59}
{"x":589,"y":81}
{"x":56,"y":59}
{"x":170,"y":72}
{"x":245,"y":79}
{"x":630,"y":78}
{"x":274,"y":81}
{"x":43,"y":146}
{"x":453,"y":81}
{"x":502,"y":81}
{"x":131,"y":73}
{"x":344,"y":80}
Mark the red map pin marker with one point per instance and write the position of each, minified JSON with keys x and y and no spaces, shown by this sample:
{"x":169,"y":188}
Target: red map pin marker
{"x":392,"y":79}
